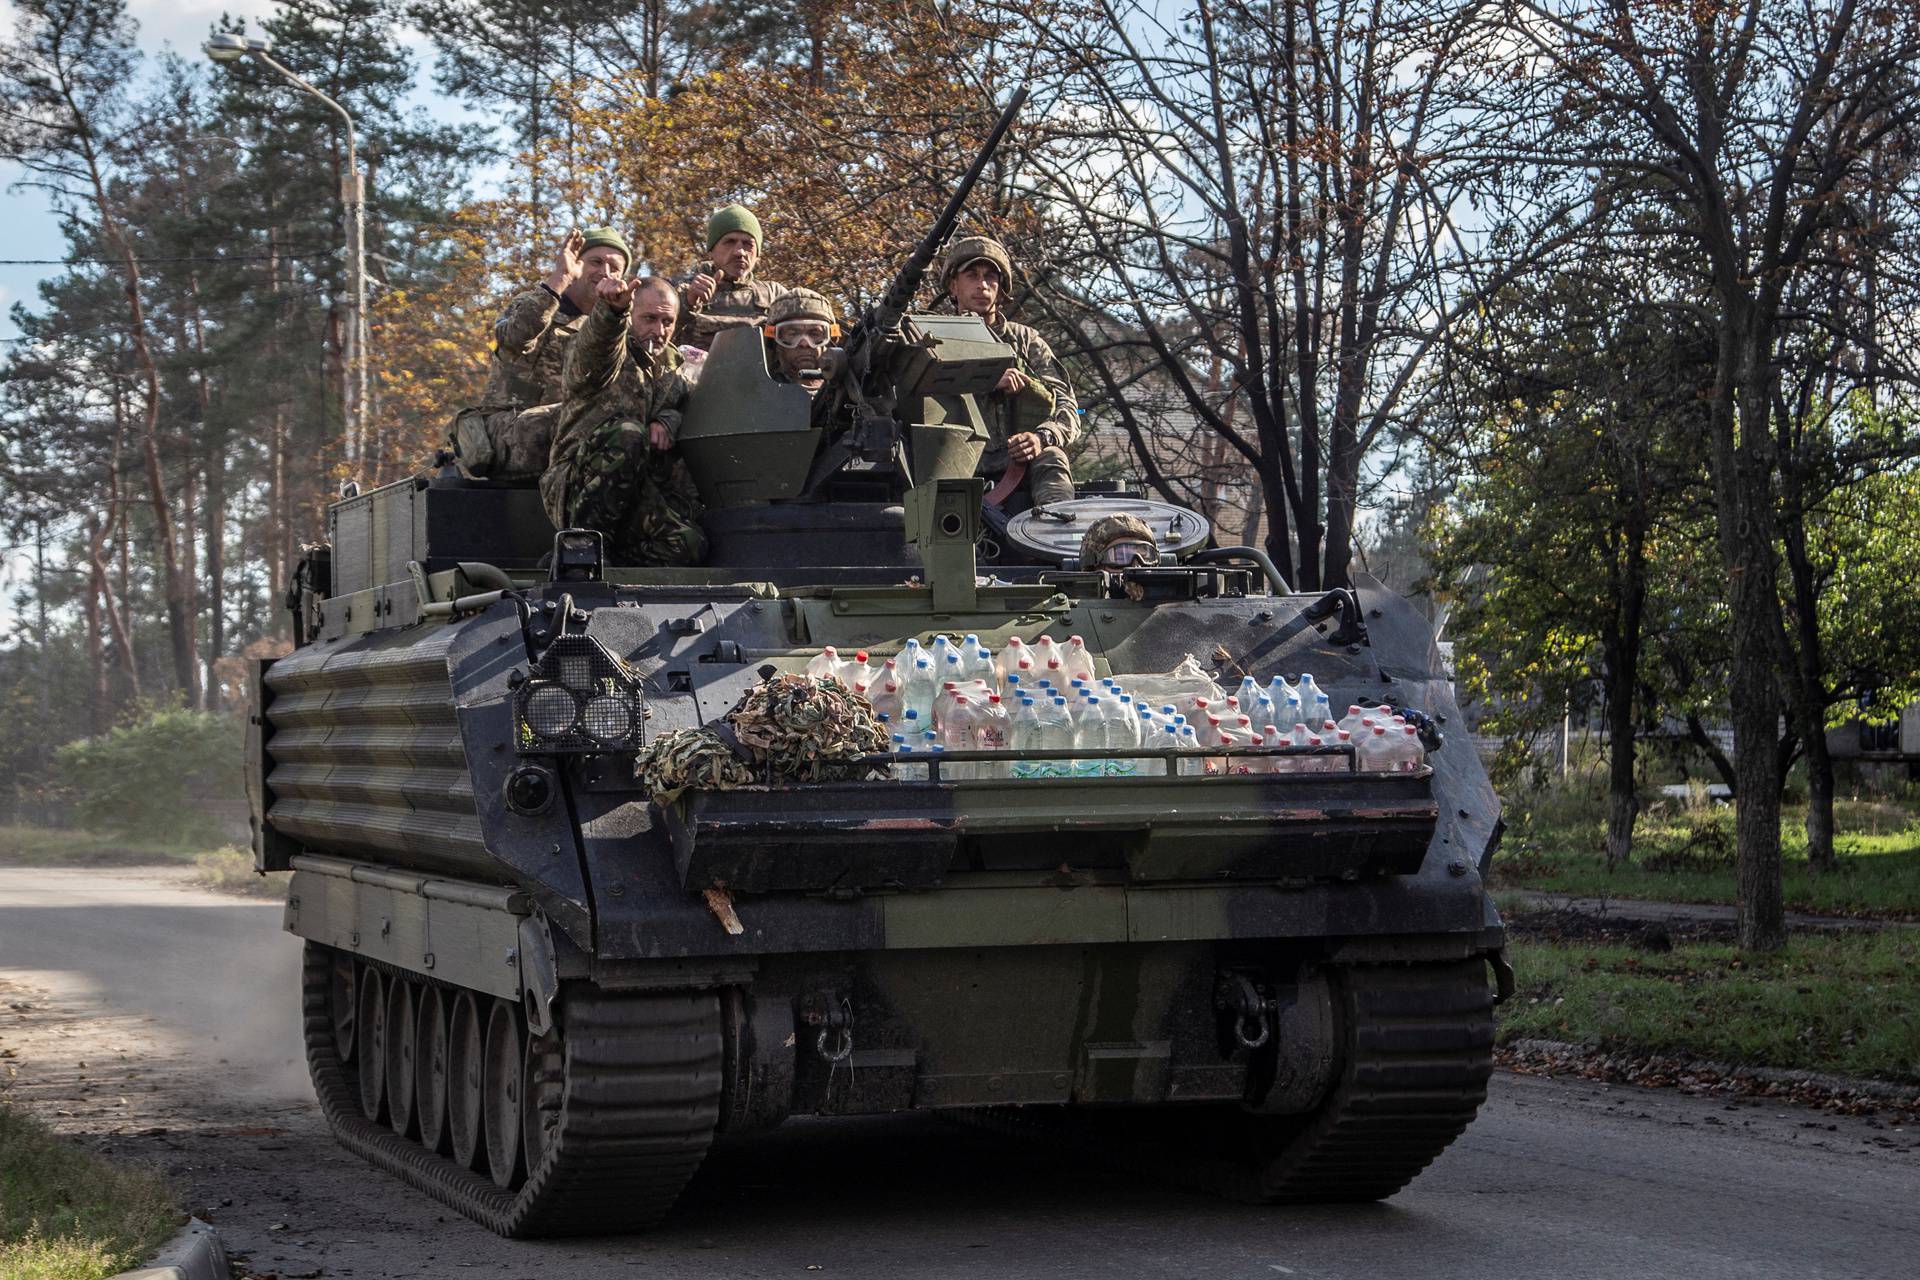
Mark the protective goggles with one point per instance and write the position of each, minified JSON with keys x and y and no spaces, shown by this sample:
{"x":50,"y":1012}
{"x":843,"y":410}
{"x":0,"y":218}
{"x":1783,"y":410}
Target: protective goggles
{"x":1127,"y":553}
{"x":802,"y":333}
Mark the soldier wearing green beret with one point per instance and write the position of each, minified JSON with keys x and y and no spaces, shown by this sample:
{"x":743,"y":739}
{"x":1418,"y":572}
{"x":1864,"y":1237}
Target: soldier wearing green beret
{"x":507,"y":435}
{"x":721,"y":293}
{"x":1032,"y":416}
{"x":614,"y":467}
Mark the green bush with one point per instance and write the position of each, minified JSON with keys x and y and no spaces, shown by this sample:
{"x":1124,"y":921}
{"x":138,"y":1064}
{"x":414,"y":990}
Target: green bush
{"x":150,"y":775}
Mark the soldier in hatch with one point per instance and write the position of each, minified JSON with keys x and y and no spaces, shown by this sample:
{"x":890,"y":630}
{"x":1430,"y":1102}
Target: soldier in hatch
{"x":722,"y":293}
{"x":1031,"y":416}
{"x":508,"y":434}
{"x":800,"y":328}
{"x":614,"y":467}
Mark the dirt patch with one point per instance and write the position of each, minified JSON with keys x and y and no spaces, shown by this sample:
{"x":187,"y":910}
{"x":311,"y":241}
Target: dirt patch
{"x":1567,"y":926}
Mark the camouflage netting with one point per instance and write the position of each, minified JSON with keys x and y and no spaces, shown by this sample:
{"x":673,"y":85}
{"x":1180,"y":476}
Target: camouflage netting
{"x":793,"y":728}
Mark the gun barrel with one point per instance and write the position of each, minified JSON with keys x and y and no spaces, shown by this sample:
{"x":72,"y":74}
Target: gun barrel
{"x":899,"y":295}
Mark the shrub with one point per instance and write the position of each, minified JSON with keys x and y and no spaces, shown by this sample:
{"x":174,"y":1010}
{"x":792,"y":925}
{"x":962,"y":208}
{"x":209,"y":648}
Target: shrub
{"x":149,"y":776}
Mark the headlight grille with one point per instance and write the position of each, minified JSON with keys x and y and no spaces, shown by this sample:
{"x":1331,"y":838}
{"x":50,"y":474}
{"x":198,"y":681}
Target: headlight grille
{"x":579,"y":698}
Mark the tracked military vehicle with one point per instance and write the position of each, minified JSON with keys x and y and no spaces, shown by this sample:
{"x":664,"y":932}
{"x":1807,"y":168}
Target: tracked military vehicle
{"x":537,"y":995}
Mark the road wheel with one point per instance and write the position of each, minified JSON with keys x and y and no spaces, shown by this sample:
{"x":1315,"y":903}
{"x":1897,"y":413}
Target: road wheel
{"x":430,"y":1069}
{"x":466,"y":1081}
{"x":372,"y":1033}
{"x":545,"y":1092}
{"x":505,"y":1065}
{"x":400,"y":1030}
{"x":341,"y":1004}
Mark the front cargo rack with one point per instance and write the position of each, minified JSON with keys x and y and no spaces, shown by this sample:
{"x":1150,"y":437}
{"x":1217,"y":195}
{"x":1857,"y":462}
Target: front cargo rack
{"x":907,"y":834}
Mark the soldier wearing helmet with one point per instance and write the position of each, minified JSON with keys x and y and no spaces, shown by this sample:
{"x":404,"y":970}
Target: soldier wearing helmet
{"x":1118,"y":542}
{"x":506,"y":435}
{"x":721,"y":292}
{"x":1031,"y":416}
{"x":800,"y":328}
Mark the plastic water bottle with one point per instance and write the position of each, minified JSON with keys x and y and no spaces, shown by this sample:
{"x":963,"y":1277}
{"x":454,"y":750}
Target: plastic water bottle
{"x":917,"y":690}
{"x":1351,"y":721}
{"x":936,"y":752}
{"x":1146,"y":730}
{"x":1123,"y":735}
{"x":983,"y":669}
{"x":1411,"y":755}
{"x":1342,"y":763}
{"x":1056,"y":734}
{"x":1046,"y":651}
{"x":1262,"y":713}
{"x":1023,"y":736}
{"x":939,"y":650}
{"x":913,"y":728}
{"x":905,"y":767}
{"x":884,"y":693}
{"x":1375,"y":754}
{"x":1090,"y":734}
{"x":957,"y":720}
{"x":1314,"y":703}
{"x":1077,"y":659}
{"x":1010,"y":657}
{"x":1191,"y":762}
{"x":992,"y":731}
{"x":824,"y":664}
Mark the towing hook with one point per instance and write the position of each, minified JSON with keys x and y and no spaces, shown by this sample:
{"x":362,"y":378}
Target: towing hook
{"x":1251,"y":1013}
{"x":834,"y":1016}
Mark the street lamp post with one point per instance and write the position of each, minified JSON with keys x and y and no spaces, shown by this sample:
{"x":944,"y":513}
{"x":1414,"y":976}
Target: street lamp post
{"x":228,"y":48}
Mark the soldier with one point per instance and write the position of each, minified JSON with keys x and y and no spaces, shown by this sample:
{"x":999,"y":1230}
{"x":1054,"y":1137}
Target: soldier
{"x":614,"y":467}
{"x":722,"y":293}
{"x":508,"y":434}
{"x":800,"y":328}
{"x":1031,"y":416}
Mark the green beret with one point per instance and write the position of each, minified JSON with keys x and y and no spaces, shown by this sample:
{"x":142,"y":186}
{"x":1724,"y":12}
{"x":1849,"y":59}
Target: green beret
{"x":607,"y":238}
{"x":735,"y":217}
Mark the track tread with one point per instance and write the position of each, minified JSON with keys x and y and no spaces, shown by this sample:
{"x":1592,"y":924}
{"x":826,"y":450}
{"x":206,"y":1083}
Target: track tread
{"x":641,"y":1105}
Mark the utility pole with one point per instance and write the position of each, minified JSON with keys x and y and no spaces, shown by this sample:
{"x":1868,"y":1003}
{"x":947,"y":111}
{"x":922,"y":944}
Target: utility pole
{"x":226,"y":48}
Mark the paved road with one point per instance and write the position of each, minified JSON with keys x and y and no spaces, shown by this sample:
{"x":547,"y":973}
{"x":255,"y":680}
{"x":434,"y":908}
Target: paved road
{"x":122,"y":973}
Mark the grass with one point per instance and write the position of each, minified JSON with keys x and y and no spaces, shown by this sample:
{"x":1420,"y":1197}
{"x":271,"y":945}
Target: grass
{"x":1685,"y":853}
{"x":58,"y":847}
{"x":67,"y":1214}
{"x":1832,"y":1002}
{"x":230,"y":870}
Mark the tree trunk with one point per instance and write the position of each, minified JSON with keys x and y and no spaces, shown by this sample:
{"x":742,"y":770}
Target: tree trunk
{"x":1744,"y":478}
{"x":1807,"y":663}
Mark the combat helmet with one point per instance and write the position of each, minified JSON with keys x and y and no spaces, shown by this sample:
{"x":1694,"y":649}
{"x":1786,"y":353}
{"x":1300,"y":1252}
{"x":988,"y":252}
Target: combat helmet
{"x":1118,"y":542}
{"x":967,"y":250}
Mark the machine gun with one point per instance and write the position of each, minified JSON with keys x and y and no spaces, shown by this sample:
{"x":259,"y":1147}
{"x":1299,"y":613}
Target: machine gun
{"x":865,"y":392}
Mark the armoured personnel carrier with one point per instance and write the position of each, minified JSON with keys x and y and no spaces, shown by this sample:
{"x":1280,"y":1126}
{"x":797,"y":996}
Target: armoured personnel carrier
{"x":535,"y":994}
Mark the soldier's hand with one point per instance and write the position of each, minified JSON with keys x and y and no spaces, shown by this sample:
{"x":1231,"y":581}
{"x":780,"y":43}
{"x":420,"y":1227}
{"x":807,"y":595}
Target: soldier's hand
{"x":567,"y":266}
{"x":616,"y":292}
{"x":659,"y":437}
{"x":1025,"y":446}
{"x":699,"y":289}
{"x":1013,"y":382}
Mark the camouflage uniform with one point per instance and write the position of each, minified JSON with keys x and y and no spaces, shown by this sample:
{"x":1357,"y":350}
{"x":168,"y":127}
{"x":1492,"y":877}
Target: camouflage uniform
{"x":1047,"y":408}
{"x":508,"y":435}
{"x":734,"y":303}
{"x":603,"y":473}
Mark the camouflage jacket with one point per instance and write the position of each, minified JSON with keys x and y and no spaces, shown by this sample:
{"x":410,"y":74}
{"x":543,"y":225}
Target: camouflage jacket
{"x":608,"y":376}
{"x":530,"y":341}
{"x":608,"y":379}
{"x":734,"y":303}
{"x":1058,"y":424}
